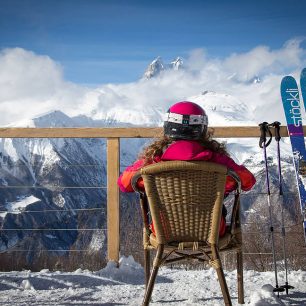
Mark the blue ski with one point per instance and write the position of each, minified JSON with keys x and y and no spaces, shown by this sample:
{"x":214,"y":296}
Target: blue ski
{"x":303,"y":85}
{"x":291,"y":104}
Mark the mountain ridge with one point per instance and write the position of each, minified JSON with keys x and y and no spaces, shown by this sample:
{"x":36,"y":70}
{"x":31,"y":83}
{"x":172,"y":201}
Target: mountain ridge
{"x":68,"y":176}
{"x":157,"y":66}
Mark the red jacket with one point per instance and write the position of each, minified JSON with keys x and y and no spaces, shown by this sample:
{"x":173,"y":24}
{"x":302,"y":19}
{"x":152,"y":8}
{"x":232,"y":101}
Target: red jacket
{"x":191,"y":150}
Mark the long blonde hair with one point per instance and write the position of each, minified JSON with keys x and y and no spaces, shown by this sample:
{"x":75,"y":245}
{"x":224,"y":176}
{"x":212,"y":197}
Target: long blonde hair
{"x":158,"y":147}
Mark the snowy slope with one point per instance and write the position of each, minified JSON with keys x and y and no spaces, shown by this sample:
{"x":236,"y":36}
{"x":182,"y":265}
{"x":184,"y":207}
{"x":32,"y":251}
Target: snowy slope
{"x":18,"y":206}
{"x":224,"y":109}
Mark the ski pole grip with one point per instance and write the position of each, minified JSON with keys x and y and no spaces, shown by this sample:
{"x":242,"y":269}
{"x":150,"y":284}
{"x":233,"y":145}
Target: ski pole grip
{"x":262,"y":138}
{"x":276,"y":125}
{"x":264,"y":129}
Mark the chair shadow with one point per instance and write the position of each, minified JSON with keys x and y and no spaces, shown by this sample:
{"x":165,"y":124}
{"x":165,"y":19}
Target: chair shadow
{"x":292,"y":296}
{"x":80,"y":304}
{"x":169,"y":301}
{"x":215,"y":298}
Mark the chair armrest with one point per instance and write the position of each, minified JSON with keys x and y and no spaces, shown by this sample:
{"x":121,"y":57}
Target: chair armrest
{"x":134,"y":181}
{"x":235,"y":218}
{"x":144,"y":205}
{"x":235,"y":176}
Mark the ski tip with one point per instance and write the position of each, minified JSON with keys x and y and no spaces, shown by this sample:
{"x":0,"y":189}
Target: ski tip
{"x":288,"y":78}
{"x":288,"y":82}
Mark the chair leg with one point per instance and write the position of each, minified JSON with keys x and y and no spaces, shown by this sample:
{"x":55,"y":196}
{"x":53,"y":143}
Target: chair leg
{"x":240,"y":277}
{"x":147,"y":266}
{"x":221,"y":277}
{"x":156,"y":265}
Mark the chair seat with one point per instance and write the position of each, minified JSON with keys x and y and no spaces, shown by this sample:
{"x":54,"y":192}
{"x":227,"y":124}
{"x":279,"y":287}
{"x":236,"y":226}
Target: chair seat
{"x":227,"y":241}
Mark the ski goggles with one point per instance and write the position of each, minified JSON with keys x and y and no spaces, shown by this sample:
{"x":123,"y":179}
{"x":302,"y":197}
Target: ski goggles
{"x":186,"y":119}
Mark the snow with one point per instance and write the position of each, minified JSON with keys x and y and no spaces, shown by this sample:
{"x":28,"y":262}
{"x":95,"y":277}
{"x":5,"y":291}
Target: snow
{"x":18,"y":206}
{"x":224,"y":109}
{"x":50,"y":236}
{"x":7,"y":147}
{"x":124,"y":286}
{"x":154,"y":68}
{"x":59,"y":200}
{"x":97,"y":240}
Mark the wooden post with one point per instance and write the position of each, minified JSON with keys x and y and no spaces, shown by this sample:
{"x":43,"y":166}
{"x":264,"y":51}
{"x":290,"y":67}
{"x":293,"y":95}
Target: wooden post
{"x":113,"y":168}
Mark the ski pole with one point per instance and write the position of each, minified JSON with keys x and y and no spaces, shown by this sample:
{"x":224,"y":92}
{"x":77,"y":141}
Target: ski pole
{"x":263,"y":143}
{"x":276,"y":126}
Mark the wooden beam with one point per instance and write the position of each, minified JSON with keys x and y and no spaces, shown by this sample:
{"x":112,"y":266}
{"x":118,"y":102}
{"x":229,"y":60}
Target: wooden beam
{"x":113,"y":234}
{"x":144,"y":132}
{"x":80,"y":132}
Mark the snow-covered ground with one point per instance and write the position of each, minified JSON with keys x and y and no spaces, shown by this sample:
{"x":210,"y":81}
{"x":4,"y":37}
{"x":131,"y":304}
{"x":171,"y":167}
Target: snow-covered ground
{"x":124,"y":286}
{"x":18,"y":206}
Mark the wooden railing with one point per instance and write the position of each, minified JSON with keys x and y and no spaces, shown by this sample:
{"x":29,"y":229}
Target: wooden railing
{"x":113,"y":136}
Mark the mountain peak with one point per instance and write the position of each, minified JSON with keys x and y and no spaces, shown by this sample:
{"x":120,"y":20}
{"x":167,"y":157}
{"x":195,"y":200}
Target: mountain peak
{"x":54,"y":118}
{"x":177,"y":63}
{"x":157,"y":66}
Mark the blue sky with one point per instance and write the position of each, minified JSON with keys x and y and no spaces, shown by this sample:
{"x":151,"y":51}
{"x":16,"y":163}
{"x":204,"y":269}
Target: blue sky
{"x":101,"y":41}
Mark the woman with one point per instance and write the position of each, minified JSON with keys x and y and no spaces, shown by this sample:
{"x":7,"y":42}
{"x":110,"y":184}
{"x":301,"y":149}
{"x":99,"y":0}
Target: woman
{"x":186,"y":138}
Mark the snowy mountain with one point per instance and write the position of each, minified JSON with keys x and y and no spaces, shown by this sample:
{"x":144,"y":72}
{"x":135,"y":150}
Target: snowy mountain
{"x":177,"y":64}
{"x":52,"y":181}
{"x":157,"y":66}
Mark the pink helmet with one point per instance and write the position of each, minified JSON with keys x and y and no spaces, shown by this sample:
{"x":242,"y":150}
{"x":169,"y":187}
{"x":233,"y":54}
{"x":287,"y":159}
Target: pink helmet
{"x":185,"y":120}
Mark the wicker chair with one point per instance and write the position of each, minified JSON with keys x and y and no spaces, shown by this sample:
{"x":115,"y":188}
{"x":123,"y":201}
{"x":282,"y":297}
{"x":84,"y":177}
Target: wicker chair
{"x":185,"y":200}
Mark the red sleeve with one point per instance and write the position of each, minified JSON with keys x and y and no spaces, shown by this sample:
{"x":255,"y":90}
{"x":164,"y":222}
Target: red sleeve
{"x":247,"y":178}
{"x":125,"y":179}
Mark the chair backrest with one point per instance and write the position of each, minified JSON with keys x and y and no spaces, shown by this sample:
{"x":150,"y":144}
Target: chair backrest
{"x":185,"y":200}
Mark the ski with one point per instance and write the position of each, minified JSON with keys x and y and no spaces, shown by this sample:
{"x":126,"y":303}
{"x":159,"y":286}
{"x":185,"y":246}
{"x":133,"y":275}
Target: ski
{"x":292,"y":108}
{"x":303,"y":85}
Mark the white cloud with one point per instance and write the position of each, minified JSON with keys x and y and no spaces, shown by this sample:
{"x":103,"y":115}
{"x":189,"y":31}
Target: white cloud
{"x":26,"y":75}
{"x":31,"y":84}
{"x":263,"y":60}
